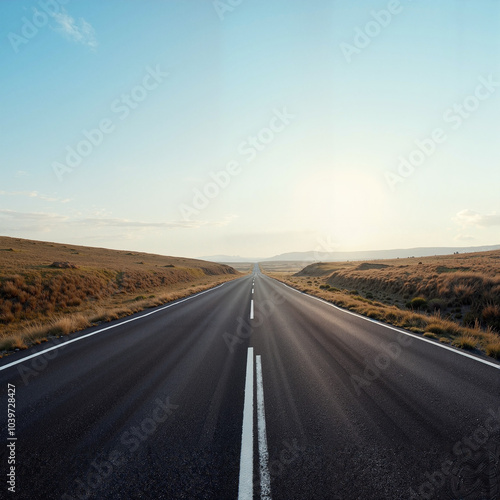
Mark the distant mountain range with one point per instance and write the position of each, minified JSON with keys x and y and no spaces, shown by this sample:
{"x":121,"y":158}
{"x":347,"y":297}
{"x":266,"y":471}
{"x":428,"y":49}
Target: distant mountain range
{"x":360,"y":255}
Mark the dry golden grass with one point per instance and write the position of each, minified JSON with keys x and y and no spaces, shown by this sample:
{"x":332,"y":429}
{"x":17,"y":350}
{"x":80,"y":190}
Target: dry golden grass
{"x":464,"y":287}
{"x":38,"y":301}
{"x":384,"y":290}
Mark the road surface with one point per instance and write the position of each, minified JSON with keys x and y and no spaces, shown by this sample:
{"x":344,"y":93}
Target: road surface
{"x":249,"y":390}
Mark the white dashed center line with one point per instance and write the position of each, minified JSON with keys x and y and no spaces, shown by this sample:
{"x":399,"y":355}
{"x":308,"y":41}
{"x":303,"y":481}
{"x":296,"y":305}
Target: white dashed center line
{"x":245,"y":487}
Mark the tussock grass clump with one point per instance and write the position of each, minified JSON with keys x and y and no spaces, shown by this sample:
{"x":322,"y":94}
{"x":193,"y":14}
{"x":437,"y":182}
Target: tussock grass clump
{"x":430,"y":335}
{"x":437,"y":328}
{"x":68,"y":324}
{"x":493,"y":349}
{"x":466,"y":341}
{"x":491,"y":315}
{"x":12,"y":342}
{"x":36,"y":332}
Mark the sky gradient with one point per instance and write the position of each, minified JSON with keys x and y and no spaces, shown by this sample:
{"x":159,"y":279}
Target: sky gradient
{"x":199,"y":128}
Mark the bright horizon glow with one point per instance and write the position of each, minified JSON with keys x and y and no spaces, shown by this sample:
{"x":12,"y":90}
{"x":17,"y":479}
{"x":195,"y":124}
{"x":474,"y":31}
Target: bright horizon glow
{"x":180,"y":94}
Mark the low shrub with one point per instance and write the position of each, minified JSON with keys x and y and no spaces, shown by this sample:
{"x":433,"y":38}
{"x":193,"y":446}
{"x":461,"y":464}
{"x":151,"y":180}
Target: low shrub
{"x":417,"y":303}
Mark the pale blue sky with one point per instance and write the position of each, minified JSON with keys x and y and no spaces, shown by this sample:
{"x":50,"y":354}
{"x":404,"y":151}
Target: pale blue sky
{"x":359,"y":88}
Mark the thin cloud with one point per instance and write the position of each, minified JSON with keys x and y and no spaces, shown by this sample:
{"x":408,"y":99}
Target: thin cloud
{"x":125,"y":223}
{"x":31,"y":216}
{"x":137,"y":224}
{"x":77,"y":31}
{"x":45,"y":222}
{"x":35,"y":194}
{"x":472,"y":218}
{"x":10,"y":220}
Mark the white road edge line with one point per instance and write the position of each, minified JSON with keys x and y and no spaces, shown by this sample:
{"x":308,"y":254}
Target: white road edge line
{"x":265,"y":478}
{"x":245,"y":485}
{"x":251,"y":309}
{"x":423,"y":339}
{"x":156,"y":310}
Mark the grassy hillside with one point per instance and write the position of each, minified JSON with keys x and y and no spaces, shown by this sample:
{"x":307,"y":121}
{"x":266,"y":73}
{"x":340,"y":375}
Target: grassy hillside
{"x":49,"y":289}
{"x":454,"y":299}
{"x":465,"y":288}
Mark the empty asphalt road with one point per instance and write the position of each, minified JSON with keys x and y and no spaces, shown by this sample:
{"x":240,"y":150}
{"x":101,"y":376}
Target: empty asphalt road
{"x":249,"y":390}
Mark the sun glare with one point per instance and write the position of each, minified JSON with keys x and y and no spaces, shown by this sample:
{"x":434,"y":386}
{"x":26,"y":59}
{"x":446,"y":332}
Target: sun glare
{"x":345,"y":204}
